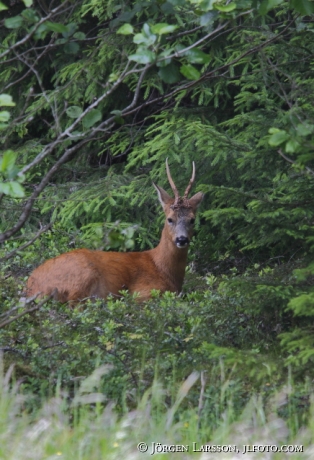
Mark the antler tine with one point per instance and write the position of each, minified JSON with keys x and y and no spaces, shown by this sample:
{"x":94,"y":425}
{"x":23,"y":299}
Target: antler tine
{"x":174,"y":188}
{"x":187,"y":191}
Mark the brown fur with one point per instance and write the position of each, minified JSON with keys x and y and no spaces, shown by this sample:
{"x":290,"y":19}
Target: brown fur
{"x":82,"y":273}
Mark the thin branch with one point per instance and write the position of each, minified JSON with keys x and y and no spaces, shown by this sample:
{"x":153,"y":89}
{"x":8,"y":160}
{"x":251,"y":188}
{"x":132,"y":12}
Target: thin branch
{"x":186,"y":32}
{"x":12,"y":350}
{"x":38,"y":57}
{"x":201,"y":40}
{"x":25,"y":245}
{"x":67,"y":133}
{"x":107,"y":124}
{"x":137,"y":90}
{"x":30,"y":202}
{"x":28,"y":36}
{"x":309,"y":170}
{"x":48,"y":347}
{"x":39,"y":81}
{"x":285,"y":157}
{"x":198,"y":42}
{"x":53,"y":45}
{"x":26,"y":312}
{"x":210,"y":74}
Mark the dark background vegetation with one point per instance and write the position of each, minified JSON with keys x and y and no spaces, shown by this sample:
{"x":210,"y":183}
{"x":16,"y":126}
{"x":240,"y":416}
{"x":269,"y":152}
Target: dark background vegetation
{"x":103,"y":93}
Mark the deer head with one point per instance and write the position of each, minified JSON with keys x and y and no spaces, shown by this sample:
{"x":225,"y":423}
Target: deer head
{"x":180,"y":211}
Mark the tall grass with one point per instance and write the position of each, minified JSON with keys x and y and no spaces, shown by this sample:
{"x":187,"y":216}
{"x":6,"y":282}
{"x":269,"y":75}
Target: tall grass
{"x":87,"y":427}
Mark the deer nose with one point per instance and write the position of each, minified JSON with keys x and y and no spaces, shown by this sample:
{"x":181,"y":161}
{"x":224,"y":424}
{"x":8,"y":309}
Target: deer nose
{"x":182,"y":241}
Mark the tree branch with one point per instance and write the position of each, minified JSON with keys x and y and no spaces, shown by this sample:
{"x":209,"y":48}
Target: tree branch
{"x":67,"y":133}
{"x":28,"y":36}
{"x":26,"y":312}
{"x":107,"y":124}
{"x":309,"y":170}
{"x":25,"y":245}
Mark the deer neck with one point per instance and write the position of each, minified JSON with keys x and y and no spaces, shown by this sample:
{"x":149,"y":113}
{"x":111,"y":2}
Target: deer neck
{"x":170,"y":260}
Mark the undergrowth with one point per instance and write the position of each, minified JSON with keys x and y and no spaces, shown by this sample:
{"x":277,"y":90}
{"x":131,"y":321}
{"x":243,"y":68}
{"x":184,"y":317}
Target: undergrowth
{"x":87,"y":426}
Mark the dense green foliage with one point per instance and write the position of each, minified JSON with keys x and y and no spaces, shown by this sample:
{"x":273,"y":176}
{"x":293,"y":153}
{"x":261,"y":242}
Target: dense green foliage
{"x":94,"y":96}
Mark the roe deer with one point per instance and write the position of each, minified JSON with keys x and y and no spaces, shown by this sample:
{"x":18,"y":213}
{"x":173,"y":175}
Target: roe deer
{"x":83,"y":273}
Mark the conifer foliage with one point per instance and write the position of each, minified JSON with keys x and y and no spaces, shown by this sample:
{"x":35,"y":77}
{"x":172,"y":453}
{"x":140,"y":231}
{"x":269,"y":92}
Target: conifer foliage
{"x":95,"y":95}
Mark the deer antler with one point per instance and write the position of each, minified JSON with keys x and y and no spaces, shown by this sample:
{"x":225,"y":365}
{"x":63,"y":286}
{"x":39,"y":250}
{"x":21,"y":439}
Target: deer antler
{"x":185,"y":196}
{"x":174,"y":188}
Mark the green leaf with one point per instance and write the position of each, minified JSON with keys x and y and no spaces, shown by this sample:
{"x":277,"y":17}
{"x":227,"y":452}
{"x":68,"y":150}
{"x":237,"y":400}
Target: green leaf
{"x":119,"y":120}
{"x":41,"y":32}
{"x":302,"y":6}
{"x":79,"y":35}
{"x":197,"y":56}
{"x":76,"y":134}
{"x":71,"y":48}
{"x":12,"y":188}
{"x":143,"y":56}
{"x":7,"y":161}
{"x":144,"y":38}
{"x":28,"y":3}
{"x":139,"y":38}
{"x":6,"y":100}
{"x":163,"y":28}
{"x":302,"y":129}
{"x":3,"y":7}
{"x":267,"y":5}
{"x":126,"y":29}
{"x":190,"y":72}
{"x":56,"y":27}
{"x":70,"y":29}
{"x":170,"y":73}
{"x":129,"y":244}
{"x":20,"y":177}
{"x":177,"y":2}
{"x":91,"y":118}
{"x":113,"y":77}
{"x":292,"y":146}
{"x":13,"y":23}
{"x":4,"y":116}
{"x":129,"y":232}
{"x":30,"y":15}
{"x":5,"y":188}
{"x":206,"y":5}
{"x":208,"y":18}
{"x":74,"y":111}
{"x":278,"y":137}
{"x":161,"y":61}
{"x":61,"y":41}
{"x":273,"y":130}
{"x":167,"y":8}
{"x":225,"y":8}
{"x":126,"y":16}
{"x":12,"y":172}
{"x":17,"y":190}
{"x":116,"y":112}
{"x":146,"y":30}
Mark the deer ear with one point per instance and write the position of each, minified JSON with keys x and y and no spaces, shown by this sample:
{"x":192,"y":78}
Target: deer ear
{"x":196,"y":200}
{"x":163,"y":196}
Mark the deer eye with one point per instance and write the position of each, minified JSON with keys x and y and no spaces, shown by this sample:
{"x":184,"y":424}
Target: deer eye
{"x":192,"y":221}
{"x":170,"y":220}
